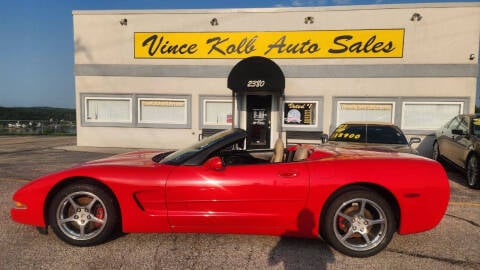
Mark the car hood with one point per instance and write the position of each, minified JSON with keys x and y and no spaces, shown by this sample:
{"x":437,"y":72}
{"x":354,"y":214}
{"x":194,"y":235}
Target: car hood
{"x":402,"y":148}
{"x":138,"y":158}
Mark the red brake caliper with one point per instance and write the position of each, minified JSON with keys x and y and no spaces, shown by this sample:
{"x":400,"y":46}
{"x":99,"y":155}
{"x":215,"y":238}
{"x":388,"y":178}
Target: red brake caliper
{"x":341,"y":224}
{"x":100,"y":214}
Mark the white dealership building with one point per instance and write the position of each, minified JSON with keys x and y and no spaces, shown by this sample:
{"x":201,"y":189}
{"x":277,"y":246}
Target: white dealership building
{"x":164,"y":78}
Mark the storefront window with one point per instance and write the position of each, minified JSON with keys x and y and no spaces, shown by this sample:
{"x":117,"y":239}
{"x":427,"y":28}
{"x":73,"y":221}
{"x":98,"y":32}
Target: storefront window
{"x":428,"y":115}
{"x":365,"y":111}
{"x":300,"y":113}
{"x":217,"y":112}
{"x":162,"y":111}
{"x":107,"y":109}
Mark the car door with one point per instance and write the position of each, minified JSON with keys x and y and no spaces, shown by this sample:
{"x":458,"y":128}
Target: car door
{"x":446,"y":137}
{"x":256,"y":198}
{"x":463,"y":142}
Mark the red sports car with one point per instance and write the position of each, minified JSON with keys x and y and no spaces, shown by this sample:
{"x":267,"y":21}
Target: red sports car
{"x":354,"y":199}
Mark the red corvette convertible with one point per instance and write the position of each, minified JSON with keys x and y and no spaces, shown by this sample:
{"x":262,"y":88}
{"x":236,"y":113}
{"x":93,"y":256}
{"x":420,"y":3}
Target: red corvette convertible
{"x":354,"y":199}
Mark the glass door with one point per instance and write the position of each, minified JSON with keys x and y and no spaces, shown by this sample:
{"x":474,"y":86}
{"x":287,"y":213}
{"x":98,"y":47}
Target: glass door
{"x":259,"y":116}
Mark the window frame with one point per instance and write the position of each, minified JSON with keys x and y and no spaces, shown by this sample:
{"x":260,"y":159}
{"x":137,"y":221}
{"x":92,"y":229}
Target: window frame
{"x":352,"y":101}
{"x":89,"y":122}
{"x":203,"y":99}
{"x":157,"y":124}
{"x":134,"y":113}
{"x":405,"y":103}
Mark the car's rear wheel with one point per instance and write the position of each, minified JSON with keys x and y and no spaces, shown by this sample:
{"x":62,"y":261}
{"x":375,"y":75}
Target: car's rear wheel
{"x":436,"y":152}
{"x":473,"y":173}
{"x":359,"y":223}
{"x":83,"y":215}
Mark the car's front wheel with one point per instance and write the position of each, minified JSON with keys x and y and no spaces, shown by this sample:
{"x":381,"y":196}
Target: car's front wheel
{"x":359,"y":223}
{"x":473,"y":173}
{"x":83,"y":215}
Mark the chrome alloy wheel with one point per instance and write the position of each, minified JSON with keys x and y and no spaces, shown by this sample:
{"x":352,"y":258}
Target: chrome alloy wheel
{"x":360,"y":224}
{"x":81,"y":215}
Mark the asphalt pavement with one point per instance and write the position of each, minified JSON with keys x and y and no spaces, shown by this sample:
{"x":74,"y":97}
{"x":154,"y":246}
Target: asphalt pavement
{"x":453,"y":244}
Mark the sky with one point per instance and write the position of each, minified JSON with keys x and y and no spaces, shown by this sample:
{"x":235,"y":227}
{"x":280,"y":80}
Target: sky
{"x":36,"y":41}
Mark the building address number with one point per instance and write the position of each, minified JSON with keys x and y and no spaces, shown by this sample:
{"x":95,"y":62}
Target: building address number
{"x":255,"y":83}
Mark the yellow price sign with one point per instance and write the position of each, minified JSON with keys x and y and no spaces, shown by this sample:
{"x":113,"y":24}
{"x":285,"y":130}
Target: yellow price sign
{"x":351,"y":136}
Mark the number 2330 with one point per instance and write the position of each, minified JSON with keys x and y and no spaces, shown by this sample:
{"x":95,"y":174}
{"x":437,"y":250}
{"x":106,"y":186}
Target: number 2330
{"x":255,"y":83}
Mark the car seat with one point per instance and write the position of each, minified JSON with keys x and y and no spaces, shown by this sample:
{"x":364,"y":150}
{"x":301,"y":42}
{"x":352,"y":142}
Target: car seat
{"x":301,"y":153}
{"x":278,"y":151}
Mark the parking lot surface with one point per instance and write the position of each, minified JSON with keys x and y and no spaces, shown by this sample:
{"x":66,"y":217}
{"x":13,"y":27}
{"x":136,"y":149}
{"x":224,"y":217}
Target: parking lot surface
{"x":454,"y":244}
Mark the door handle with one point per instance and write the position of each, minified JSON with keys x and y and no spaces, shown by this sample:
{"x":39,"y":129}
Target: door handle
{"x":288,"y":174}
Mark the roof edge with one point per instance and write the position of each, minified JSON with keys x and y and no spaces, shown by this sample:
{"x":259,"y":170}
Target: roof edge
{"x":278,"y":9}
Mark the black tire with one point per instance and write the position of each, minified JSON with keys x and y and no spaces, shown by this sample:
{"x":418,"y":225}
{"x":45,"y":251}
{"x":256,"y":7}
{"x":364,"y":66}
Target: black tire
{"x":83,"y":215}
{"x":355,"y":216}
{"x":473,"y":173}
{"x":436,"y":151}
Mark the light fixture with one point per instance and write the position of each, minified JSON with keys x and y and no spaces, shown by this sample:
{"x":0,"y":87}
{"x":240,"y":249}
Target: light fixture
{"x":214,"y":22}
{"x":472,"y":56}
{"x":123,"y":21}
{"x":416,"y":17}
{"x":308,"y":20}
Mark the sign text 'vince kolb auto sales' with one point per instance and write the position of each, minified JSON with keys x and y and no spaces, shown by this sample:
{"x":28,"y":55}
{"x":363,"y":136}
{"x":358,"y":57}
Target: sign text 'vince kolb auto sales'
{"x":379,"y":43}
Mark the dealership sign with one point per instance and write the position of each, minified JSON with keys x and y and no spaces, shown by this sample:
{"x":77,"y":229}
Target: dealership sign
{"x":375,"y":43}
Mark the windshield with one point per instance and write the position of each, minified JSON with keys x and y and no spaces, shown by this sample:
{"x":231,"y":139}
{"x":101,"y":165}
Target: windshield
{"x":184,"y":154}
{"x":364,"y":133}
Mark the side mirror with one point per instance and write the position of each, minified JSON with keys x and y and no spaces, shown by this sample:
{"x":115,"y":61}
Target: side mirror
{"x":215,"y":163}
{"x":458,"y":132}
{"x":414,"y":140}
